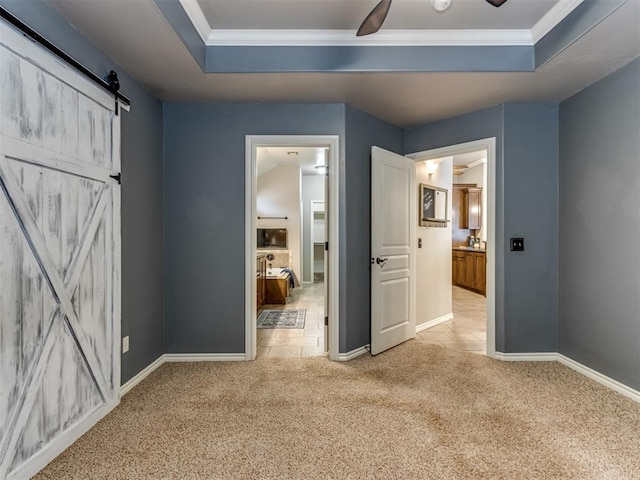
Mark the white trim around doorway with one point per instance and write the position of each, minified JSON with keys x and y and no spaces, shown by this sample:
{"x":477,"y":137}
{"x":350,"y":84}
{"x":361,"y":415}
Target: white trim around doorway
{"x":488,"y":144}
{"x":252,"y":142}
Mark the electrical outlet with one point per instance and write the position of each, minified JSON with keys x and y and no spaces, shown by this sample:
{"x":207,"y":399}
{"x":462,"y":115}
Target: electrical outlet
{"x":517,"y":244}
{"x":125,"y":344}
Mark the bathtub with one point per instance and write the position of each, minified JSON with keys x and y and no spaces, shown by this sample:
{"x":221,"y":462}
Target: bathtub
{"x":274,"y":272}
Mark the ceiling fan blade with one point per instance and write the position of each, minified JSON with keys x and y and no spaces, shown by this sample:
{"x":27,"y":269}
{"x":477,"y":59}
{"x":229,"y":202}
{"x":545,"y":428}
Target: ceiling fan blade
{"x":375,"y":19}
{"x":496,"y":3}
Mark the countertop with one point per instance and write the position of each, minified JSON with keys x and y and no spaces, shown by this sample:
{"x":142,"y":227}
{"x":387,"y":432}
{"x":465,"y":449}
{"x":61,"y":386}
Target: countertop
{"x":470,"y":249}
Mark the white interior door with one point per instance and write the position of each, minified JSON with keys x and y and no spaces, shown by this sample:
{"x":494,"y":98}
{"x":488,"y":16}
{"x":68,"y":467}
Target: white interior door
{"x":393,"y":223}
{"x":59,"y":256}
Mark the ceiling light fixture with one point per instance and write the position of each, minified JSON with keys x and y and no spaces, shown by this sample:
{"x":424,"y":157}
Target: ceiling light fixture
{"x":376,"y":18}
{"x":441,"y":5}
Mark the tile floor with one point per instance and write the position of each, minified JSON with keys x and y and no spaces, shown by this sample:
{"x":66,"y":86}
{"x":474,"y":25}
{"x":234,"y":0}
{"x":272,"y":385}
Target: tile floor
{"x":467,"y":331}
{"x":290,"y":342}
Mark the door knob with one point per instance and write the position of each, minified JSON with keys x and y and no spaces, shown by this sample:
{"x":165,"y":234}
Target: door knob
{"x":381,"y":261}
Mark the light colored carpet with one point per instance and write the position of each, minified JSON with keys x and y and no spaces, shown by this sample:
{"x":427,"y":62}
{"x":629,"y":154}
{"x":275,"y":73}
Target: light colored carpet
{"x":415,"y":412}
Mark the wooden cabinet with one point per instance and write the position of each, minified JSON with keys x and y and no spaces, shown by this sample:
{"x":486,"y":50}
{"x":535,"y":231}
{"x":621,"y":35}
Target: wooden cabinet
{"x":480,"y":270}
{"x":468,"y":270}
{"x":467,"y":208}
{"x":261,"y":279}
{"x":278,"y":289}
{"x":472,"y":217}
{"x":466,"y":214}
{"x":458,"y":267}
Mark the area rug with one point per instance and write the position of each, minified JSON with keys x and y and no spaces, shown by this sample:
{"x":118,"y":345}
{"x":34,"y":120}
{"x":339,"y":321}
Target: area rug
{"x":281,"y":319}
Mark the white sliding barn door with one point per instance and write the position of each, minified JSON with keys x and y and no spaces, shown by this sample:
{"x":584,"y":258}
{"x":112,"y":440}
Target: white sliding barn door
{"x":59,"y":255}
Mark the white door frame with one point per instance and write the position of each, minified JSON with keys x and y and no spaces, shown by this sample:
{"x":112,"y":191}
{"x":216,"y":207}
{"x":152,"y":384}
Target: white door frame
{"x":252,"y":142}
{"x":488,"y":144}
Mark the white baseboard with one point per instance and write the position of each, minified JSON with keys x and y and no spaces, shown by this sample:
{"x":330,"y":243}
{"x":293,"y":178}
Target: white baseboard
{"x":600,"y":378}
{"x":434,"y":322}
{"x":345,"y":357}
{"x":204,"y":357}
{"x":527,"y":357}
{"x":179,"y":357}
{"x":124,"y":389}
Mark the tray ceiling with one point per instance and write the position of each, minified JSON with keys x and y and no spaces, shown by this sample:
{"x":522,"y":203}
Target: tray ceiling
{"x":137,"y":36}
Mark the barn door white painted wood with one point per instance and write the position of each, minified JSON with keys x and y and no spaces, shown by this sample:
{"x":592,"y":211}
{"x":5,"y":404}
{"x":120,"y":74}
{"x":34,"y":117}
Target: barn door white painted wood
{"x":393,"y":225}
{"x":59,"y":256}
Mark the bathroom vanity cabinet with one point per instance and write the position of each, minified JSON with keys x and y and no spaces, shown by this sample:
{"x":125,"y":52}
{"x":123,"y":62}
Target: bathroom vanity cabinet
{"x":261,"y":279}
{"x":278,"y":289}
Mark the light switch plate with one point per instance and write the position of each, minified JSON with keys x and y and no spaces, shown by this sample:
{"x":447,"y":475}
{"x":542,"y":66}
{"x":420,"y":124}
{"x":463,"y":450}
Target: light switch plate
{"x":125,"y":344}
{"x":517,"y":244}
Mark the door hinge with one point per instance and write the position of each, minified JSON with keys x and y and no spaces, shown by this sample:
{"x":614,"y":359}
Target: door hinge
{"x":117,"y":177}
{"x":326,"y":321}
{"x":326,"y":246}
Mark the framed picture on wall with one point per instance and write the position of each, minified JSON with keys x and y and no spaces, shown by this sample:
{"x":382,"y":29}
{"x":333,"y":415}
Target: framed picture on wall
{"x":433,"y":206}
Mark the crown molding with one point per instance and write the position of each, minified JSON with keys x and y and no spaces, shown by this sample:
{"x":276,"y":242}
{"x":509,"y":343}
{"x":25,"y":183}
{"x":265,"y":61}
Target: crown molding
{"x":197,"y":17}
{"x":552,"y":18}
{"x":401,"y":38}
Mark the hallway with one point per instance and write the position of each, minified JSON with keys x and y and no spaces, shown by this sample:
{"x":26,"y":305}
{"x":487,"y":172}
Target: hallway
{"x":467,"y":331}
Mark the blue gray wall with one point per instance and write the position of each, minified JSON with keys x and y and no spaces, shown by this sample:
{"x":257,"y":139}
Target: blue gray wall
{"x":142,"y":259}
{"x":599,"y":225}
{"x":362,"y":132}
{"x":526,"y":205}
{"x":204,"y":206}
{"x":530,"y":210}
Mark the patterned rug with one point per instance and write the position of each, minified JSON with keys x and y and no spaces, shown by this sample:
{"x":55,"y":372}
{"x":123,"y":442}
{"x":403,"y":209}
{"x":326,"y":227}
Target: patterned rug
{"x":281,"y":319}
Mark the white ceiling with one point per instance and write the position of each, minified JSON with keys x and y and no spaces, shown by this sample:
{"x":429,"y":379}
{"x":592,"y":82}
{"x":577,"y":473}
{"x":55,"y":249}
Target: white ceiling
{"x":136,"y":35}
{"x":348,"y":14}
{"x":304,"y":157}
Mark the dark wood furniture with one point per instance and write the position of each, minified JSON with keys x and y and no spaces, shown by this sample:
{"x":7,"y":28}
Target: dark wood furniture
{"x":261,"y":279}
{"x":472,"y":216}
{"x":468,"y":270}
{"x":466,"y":212}
{"x":278,"y":289}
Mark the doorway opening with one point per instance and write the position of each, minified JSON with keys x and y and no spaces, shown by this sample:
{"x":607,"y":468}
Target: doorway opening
{"x":463,"y":251}
{"x":291,"y":279}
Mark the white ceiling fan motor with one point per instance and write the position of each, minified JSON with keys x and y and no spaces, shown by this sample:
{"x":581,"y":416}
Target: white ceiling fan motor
{"x":441,"y":5}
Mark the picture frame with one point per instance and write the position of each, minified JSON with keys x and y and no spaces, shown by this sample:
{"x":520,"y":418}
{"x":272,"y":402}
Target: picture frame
{"x":433,"y":208}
